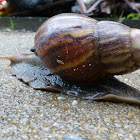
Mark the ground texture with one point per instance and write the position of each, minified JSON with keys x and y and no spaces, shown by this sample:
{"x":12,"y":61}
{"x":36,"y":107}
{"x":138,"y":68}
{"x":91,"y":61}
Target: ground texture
{"x":26,"y":113}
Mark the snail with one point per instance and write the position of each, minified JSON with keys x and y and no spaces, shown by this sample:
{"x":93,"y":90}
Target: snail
{"x":79,"y":56}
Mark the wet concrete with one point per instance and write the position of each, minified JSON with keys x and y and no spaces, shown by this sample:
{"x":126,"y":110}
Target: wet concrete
{"x":26,"y":113}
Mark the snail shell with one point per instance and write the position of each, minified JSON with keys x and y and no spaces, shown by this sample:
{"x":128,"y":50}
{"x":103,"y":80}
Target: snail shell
{"x":81,"y":49}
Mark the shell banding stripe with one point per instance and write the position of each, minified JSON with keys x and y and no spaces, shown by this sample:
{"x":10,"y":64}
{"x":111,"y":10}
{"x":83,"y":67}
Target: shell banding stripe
{"x":115,"y":47}
{"x":65,"y":18}
{"x":77,"y":57}
{"x":65,"y":38}
{"x":56,"y":45}
{"x":61,"y":22}
{"x":50,"y":31}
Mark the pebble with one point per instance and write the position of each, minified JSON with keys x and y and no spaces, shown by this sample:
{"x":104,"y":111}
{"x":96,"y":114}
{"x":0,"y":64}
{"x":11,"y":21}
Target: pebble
{"x":118,"y":125}
{"x":74,"y":102}
{"x":61,"y":98}
{"x":56,"y":124}
{"x":72,"y":137}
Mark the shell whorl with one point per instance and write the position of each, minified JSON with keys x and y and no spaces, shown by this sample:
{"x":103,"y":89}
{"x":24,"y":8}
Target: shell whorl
{"x":114,"y":47}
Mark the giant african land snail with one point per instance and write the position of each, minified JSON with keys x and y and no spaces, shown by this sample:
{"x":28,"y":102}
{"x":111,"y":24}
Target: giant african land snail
{"x":82,"y":50}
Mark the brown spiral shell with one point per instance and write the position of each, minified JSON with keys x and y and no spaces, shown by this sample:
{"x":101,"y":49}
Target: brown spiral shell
{"x":81,"y":49}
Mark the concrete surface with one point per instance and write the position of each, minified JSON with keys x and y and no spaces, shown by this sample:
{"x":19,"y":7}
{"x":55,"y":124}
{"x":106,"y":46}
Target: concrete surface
{"x":26,"y":113}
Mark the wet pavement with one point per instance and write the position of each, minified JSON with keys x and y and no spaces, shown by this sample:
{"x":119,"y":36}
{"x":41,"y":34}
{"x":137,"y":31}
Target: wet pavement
{"x":26,"y":113}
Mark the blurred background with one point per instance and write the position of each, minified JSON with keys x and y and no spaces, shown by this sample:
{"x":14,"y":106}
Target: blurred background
{"x":121,"y":9}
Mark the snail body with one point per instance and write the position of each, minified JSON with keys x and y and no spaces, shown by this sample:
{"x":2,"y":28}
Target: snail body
{"x":81,"y":49}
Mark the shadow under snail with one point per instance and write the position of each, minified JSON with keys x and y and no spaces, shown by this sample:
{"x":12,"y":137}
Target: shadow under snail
{"x":79,"y":56}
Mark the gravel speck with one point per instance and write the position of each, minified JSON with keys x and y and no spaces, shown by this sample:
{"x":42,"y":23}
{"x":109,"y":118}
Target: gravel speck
{"x":61,"y":98}
{"x":72,"y":137}
{"x":74,"y":102}
{"x":118,"y":125}
{"x":56,"y":124}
